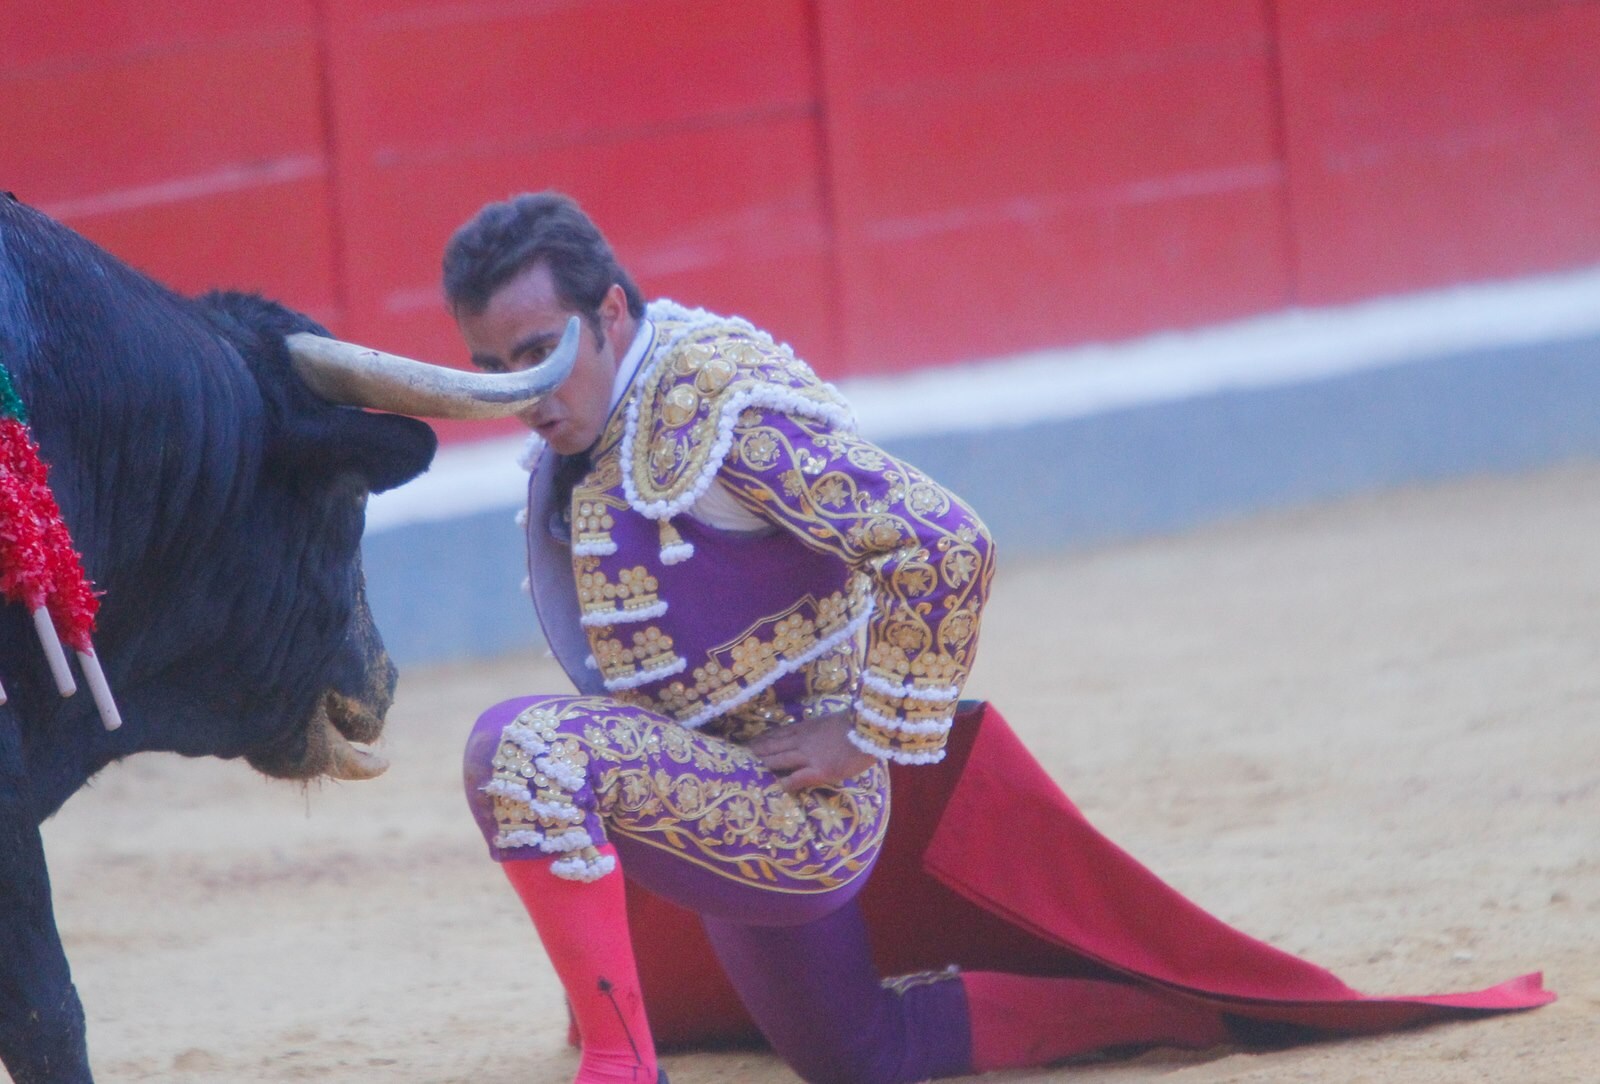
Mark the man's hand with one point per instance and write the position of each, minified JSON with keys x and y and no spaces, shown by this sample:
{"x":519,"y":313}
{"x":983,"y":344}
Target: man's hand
{"x":814,"y":753}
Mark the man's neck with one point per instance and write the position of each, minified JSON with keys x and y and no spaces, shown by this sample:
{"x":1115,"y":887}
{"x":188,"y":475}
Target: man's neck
{"x":632,"y":356}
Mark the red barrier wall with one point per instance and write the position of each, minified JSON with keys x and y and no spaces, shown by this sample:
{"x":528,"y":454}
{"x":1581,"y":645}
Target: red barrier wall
{"x":187,"y":137}
{"x":1013,"y":175}
{"x":884,"y":185}
{"x":1439,"y":141}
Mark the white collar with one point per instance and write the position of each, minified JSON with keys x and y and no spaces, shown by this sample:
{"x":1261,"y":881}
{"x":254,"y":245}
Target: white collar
{"x":629,"y":365}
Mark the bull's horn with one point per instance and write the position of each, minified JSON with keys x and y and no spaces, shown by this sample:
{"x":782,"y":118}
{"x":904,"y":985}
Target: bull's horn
{"x":346,"y":761}
{"x":354,"y":375}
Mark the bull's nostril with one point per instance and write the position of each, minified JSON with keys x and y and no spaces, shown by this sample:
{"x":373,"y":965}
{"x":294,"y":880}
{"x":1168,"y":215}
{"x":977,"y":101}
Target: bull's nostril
{"x":388,"y":676}
{"x":357,"y":718}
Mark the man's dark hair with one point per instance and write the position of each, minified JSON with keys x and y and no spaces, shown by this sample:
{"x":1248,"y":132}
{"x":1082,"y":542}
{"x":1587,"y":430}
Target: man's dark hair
{"x":505,"y":239}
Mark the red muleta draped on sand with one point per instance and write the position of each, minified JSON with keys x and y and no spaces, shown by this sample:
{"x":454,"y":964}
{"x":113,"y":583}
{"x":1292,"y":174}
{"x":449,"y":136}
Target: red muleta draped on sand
{"x":1071,"y":903}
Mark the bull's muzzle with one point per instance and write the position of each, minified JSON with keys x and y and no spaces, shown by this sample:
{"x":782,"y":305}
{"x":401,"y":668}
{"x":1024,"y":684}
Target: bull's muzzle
{"x":352,"y":375}
{"x":338,"y":717}
{"x":333,"y":743}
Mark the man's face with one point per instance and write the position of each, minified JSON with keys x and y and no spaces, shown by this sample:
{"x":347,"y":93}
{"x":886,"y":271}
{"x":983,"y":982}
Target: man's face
{"x":520,"y":327}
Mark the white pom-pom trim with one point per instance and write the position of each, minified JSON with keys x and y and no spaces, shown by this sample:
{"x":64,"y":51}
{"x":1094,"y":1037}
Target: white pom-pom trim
{"x":561,"y":819}
{"x":507,"y":788}
{"x":644,"y":677}
{"x":532,"y":449}
{"x":665,"y":309}
{"x":910,"y":692}
{"x":570,"y":839}
{"x":599,"y":618}
{"x":526,"y":738}
{"x":931,"y":756}
{"x":565,"y":775}
{"x":577,"y":868}
{"x":551,"y":813}
{"x":594,"y":549}
{"x":677,"y":553}
{"x":904,"y":726}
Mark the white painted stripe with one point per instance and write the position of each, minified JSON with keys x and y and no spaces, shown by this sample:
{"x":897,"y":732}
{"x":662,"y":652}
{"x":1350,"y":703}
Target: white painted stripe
{"x":229,"y":178}
{"x":1279,"y":349}
{"x":1282,"y":348}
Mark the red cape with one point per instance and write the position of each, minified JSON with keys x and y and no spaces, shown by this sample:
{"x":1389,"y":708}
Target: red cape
{"x":1068,"y":903}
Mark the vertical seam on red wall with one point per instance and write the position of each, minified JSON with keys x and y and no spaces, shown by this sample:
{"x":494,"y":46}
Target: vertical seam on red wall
{"x":828,"y":189}
{"x":1280,"y":135}
{"x":840,"y":110}
{"x":330,"y":149}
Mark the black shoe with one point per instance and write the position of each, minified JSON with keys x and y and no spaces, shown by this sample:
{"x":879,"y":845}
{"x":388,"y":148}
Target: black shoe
{"x":1269,"y":1034}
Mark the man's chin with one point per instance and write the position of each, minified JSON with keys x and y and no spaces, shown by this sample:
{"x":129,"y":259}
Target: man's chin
{"x":563,"y":441}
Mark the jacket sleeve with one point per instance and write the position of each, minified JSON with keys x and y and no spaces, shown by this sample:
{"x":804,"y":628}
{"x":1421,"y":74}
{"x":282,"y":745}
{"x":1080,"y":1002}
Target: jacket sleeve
{"x":929,"y":557}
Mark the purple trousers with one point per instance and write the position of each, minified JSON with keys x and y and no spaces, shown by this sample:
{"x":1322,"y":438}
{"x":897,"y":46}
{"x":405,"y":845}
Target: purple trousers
{"x":698,"y":820}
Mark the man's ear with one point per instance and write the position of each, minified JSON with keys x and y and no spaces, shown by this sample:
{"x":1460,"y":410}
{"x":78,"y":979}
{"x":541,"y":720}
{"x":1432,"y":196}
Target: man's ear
{"x":613,"y":313}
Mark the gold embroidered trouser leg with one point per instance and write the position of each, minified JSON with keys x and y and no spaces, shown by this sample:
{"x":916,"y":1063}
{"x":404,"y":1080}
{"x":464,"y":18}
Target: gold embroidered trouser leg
{"x":696,"y":817}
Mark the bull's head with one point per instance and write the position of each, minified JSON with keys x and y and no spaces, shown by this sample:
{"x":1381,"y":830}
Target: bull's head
{"x":213,"y":460}
{"x":348,"y":712}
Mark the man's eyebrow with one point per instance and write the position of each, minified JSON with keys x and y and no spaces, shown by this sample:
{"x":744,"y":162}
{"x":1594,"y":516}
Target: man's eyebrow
{"x":538,"y":339}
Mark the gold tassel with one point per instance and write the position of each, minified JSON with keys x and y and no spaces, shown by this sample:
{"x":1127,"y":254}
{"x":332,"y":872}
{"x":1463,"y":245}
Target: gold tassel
{"x":673,"y":547}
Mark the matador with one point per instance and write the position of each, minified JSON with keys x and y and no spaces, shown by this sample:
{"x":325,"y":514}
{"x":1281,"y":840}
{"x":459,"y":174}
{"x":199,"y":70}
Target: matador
{"x":769,"y":622}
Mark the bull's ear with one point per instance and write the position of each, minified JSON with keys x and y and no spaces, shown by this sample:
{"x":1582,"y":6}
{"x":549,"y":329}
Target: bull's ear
{"x":386,"y":450}
{"x":392,"y":449}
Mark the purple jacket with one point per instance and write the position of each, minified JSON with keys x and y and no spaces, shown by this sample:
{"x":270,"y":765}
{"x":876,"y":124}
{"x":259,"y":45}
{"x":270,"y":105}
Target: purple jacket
{"x":846,"y":578}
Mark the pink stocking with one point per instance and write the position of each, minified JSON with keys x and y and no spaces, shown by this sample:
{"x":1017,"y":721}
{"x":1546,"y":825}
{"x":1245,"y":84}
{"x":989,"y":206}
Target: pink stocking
{"x":584,"y":927}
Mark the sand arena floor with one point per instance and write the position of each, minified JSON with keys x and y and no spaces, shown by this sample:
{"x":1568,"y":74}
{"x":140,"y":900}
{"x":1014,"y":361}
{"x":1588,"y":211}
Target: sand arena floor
{"x":1366,"y":732}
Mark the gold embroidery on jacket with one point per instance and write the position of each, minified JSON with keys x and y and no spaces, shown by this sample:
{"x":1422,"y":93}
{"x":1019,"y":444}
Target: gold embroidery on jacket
{"x":928,"y":556}
{"x":631,"y":598}
{"x":591,"y":525}
{"x":646,"y":655}
{"x":724,"y":400}
{"x":701,"y":797}
{"x":682,"y":399}
{"x":777,"y":642}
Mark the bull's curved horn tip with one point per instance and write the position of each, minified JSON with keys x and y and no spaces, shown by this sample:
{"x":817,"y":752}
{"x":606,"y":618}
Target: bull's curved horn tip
{"x":342,"y":372}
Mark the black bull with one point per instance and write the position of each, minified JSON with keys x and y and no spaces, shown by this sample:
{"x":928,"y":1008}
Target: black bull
{"x":218,"y":506}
